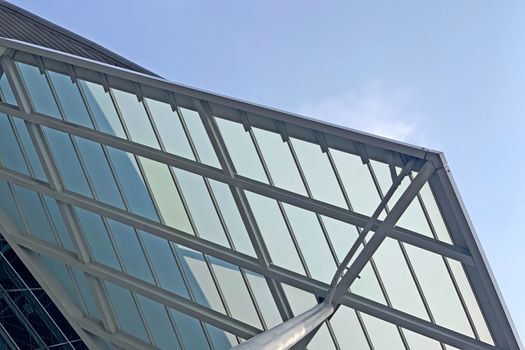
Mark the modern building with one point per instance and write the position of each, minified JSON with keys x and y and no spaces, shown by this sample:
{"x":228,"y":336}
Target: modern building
{"x":136,"y":213}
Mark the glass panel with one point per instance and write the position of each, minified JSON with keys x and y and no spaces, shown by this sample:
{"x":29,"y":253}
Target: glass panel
{"x":102,"y":108}
{"x":39,"y":90}
{"x":191,"y":331}
{"x":235,"y":292}
{"x":397,"y":279}
{"x":156,"y":316}
{"x":29,"y":148}
{"x":322,"y":340}
{"x":6,"y":91}
{"x":318,"y":172}
{"x":164,"y":264}
{"x":70,"y":99}
{"x":413,"y":218}
{"x":201,"y":207}
{"x":98,"y":169}
{"x":368,"y":286}
{"x":221,"y":340}
{"x":435,"y":215}
{"x":86,"y":294}
{"x":300,"y":301}
{"x":10,"y":152}
{"x":264,"y":299}
{"x":136,"y":119}
{"x":62,"y":274}
{"x":232,"y":217}
{"x":470,"y":301}
{"x":384,"y":336}
{"x":199,"y":137}
{"x":242,"y":150}
{"x":8,"y":204}
{"x":34,"y":213}
{"x":200,"y":279}
{"x":443,"y":301}
{"x":357,"y":181}
{"x":418,"y":341}
{"x":58,"y":223}
{"x":170,"y":129}
{"x":67,"y":161}
{"x":312,"y":243}
{"x":133,"y":185}
{"x":348,"y":330}
{"x":342,"y":235}
{"x":130,"y":250}
{"x":275,"y":233}
{"x":279,"y":160}
{"x":126,"y":311}
{"x":166,"y":195}
{"x":97,"y":237}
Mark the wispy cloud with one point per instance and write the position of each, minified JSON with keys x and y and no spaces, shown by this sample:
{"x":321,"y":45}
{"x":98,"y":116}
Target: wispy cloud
{"x":374,"y":108}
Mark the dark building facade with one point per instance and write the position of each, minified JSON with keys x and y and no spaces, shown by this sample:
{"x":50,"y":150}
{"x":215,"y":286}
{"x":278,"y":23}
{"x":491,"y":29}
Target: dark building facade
{"x":136,"y":213}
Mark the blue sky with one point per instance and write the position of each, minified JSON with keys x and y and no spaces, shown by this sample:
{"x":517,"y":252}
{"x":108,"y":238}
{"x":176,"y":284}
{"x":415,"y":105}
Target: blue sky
{"x":448,"y":75}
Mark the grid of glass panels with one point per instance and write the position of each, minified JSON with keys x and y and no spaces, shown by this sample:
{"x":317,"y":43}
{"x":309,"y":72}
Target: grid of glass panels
{"x":399,"y":275}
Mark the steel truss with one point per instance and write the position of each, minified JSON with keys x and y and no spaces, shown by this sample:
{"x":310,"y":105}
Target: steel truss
{"x":431,"y":166}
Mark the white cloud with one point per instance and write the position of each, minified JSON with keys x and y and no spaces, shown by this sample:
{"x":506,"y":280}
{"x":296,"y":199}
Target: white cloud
{"x":372,"y":108}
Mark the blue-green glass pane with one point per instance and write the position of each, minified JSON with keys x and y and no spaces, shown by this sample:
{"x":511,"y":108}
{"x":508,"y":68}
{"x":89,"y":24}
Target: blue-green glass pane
{"x":130,"y":250}
{"x":102,"y":108}
{"x":8,"y":204}
{"x":275,"y":232}
{"x":126,"y":311}
{"x":67,"y":161}
{"x":70,"y":99}
{"x":242,"y":150}
{"x":166,"y":195}
{"x":232,"y":217}
{"x":221,"y":340}
{"x":201,"y":207}
{"x":34,"y":214}
{"x":348,"y":330}
{"x":98,"y":169}
{"x":86,"y":293}
{"x":5,"y":90}
{"x":280,"y":161}
{"x":156,"y":317}
{"x":200,"y":278}
{"x":264,"y":299}
{"x":58,"y":223}
{"x":133,"y":185}
{"x":199,"y":137}
{"x":191,"y":331}
{"x":97,"y":237}
{"x":39,"y":90}
{"x":319,"y":173}
{"x":235,"y":292}
{"x":136,"y":119}
{"x":10,"y":153}
{"x":312,"y":243}
{"x":29,"y":148}
{"x":62,"y":274}
{"x":384,"y":335}
{"x":164,"y":264}
{"x":170,"y":129}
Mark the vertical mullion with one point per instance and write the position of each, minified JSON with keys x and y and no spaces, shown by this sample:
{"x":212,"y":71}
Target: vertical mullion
{"x":242,"y":204}
{"x":371,"y":260}
{"x":55,"y":181}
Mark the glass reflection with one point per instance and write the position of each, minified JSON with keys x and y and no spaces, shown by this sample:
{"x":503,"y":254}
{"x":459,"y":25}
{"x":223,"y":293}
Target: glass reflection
{"x":199,"y":137}
{"x":6,"y":94}
{"x":39,"y":90}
